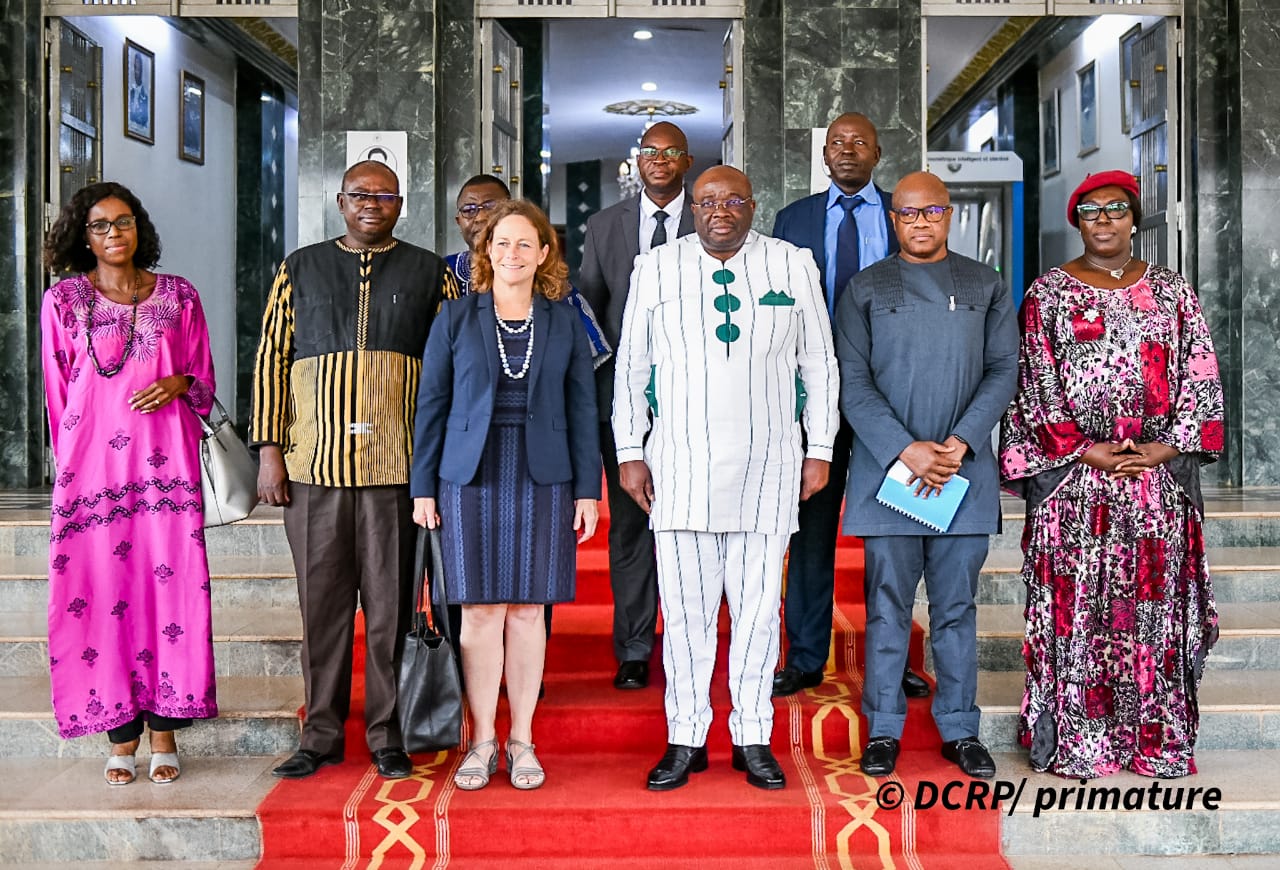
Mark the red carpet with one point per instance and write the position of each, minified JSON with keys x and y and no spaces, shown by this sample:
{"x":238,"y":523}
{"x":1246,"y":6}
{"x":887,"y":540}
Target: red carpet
{"x":598,"y":744}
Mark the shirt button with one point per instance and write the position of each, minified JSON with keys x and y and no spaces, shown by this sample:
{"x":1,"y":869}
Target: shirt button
{"x":530,"y":416}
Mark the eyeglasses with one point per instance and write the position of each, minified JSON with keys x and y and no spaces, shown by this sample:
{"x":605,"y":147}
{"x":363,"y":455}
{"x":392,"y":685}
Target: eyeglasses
{"x":472,"y":209}
{"x":1114,"y":210}
{"x":932,"y":213}
{"x":651,"y":153}
{"x":359,"y":197}
{"x":102,"y":227}
{"x":712,"y":205}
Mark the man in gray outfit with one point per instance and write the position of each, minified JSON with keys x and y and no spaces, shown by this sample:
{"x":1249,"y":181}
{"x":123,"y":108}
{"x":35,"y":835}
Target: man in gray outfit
{"x":928,"y":345}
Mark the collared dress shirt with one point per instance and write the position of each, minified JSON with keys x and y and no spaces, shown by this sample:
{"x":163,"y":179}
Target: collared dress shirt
{"x":873,"y":235}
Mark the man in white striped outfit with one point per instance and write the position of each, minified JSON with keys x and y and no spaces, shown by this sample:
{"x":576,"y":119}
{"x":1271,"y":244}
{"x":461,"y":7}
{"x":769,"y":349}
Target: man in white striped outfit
{"x":725,"y":350}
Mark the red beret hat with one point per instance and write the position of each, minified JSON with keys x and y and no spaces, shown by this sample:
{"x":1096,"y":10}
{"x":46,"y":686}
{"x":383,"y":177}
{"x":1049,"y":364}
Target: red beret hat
{"x":1117,"y":177}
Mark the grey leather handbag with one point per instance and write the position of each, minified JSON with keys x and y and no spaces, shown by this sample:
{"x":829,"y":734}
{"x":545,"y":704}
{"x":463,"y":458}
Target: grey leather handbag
{"x":228,"y":474}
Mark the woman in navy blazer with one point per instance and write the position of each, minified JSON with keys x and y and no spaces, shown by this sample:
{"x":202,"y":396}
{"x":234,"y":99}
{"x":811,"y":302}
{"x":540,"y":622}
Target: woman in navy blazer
{"x":506,"y":462}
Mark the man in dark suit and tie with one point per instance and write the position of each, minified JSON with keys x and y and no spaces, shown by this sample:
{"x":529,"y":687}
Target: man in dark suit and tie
{"x":847,"y":228}
{"x":615,"y":237}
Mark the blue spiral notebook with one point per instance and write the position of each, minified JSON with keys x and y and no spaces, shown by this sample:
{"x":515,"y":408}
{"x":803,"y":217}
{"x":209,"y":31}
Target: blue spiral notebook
{"x":936,"y":511}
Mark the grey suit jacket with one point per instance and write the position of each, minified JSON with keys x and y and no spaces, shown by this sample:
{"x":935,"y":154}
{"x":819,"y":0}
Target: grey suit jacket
{"x":609,"y":251}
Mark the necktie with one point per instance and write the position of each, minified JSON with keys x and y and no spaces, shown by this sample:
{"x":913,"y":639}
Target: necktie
{"x":846,"y":246}
{"x":660,"y":231}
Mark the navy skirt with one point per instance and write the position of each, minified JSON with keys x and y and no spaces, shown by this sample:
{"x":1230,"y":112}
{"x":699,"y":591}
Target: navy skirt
{"x":506,"y":539}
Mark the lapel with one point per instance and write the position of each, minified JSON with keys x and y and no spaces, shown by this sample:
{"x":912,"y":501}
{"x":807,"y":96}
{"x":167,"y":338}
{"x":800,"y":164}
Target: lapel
{"x":686,"y":216}
{"x":485,"y":334}
{"x":541,"y":336}
{"x":886,"y":203}
{"x":818,"y":232}
{"x":631,"y":229}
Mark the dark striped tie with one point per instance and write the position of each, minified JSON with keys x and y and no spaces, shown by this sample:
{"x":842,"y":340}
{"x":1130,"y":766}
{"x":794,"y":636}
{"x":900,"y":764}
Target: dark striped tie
{"x":660,"y":231}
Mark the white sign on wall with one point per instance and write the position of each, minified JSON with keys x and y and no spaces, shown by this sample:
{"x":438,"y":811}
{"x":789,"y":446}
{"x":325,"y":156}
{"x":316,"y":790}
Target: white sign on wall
{"x":819,"y":177}
{"x":386,"y":146}
{"x":975,"y":166}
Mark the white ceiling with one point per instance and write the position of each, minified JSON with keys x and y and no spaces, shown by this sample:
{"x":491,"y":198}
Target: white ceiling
{"x":591,"y":63}
{"x":950,"y":44}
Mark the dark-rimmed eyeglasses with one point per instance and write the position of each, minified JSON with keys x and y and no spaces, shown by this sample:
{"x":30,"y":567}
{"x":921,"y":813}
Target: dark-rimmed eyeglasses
{"x":472,"y":209}
{"x":649,"y":152}
{"x":102,"y":227}
{"x":932,"y":213}
{"x":1091,"y":212}
{"x":359,"y":197}
{"x":732,"y":204}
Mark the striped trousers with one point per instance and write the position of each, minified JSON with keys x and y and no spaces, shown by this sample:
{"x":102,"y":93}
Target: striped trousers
{"x":694,"y":570}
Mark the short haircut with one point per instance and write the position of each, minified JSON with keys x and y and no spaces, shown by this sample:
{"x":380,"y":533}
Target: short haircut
{"x":477,"y":180}
{"x":364,"y":164}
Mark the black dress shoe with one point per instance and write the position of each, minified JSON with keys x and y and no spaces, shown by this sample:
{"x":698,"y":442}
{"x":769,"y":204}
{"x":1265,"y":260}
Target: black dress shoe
{"x":970,"y":756}
{"x":392,"y":762}
{"x":761,"y":767}
{"x":303,"y":763}
{"x":880,"y":757}
{"x":788,"y":681}
{"x":913,"y":685}
{"x":632,"y":675}
{"x":676,"y":765}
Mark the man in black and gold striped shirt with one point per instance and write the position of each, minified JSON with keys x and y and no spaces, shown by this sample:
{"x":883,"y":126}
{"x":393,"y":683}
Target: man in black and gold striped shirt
{"x":335,"y":389}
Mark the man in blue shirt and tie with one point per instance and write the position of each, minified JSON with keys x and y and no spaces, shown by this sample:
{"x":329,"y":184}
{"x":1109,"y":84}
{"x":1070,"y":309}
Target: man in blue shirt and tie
{"x":847,"y":228}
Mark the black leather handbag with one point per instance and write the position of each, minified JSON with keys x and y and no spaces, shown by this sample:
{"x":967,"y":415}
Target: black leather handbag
{"x":429,"y":688}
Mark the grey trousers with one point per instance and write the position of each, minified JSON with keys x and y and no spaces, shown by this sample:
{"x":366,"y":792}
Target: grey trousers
{"x":349,"y":543}
{"x":950,"y":565}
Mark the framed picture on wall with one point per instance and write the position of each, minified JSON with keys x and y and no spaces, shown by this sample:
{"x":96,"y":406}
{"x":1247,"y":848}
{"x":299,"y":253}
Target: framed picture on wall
{"x":191,"y":118}
{"x":1050,"y":160}
{"x":1126,"y":76}
{"x":1087,"y":107}
{"x":139,"y":88}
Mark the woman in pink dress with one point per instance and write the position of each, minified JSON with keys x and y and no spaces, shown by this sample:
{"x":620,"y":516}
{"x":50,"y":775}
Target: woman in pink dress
{"x":1119,"y":403}
{"x":127,"y":369}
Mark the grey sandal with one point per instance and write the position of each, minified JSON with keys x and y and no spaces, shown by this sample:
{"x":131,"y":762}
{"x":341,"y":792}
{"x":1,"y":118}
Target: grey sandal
{"x":473,"y":767}
{"x":523,"y":763}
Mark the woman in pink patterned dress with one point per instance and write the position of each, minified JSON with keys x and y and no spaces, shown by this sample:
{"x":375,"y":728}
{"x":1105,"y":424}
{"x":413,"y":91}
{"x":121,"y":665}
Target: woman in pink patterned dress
{"x":127,"y":370}
{"x":1119,"y":403}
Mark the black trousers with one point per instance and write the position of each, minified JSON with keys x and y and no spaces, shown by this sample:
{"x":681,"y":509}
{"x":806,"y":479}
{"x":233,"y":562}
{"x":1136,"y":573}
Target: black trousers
{"x":131,"y":731}
{"x":349,"y":543}
{"x":633,"y":567}
{"x":811,"y":566}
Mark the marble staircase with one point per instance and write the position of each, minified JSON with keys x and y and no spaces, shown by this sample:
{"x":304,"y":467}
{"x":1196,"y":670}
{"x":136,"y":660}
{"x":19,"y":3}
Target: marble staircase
{"x":56,"y":810}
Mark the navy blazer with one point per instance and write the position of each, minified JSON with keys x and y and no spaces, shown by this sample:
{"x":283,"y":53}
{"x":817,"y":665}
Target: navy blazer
{"x":460,"y":371}
{"x":804,"y":224}
{"x":609,"y":252}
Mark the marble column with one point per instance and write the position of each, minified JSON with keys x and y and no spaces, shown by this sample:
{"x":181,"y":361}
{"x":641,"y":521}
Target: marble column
{"x":836,"y":56}
{"x":365,"y":66}
{"x":260,"y":113}
{"x":1258,"y":32}
{"x":459,"y":115}
{"x":22,"y":278}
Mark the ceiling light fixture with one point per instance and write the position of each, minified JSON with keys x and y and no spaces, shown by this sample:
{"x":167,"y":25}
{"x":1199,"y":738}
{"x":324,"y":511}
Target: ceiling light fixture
{"x":642,"y":35}
{"x":649,"y":86}
{"x":667,"y":108}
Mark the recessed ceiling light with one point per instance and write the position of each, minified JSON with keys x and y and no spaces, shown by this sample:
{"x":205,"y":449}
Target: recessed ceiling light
{"x":649,"y":86}
{"x":544,"y":153}
{"x":643,"y":34}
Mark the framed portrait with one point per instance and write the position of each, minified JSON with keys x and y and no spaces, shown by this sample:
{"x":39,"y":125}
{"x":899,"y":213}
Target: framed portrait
{"x":139,"y":91}
{"x":1087,"y":107}
{"x":1050,"y":158}
{"x":1127,"y":42}
{"x":191,"y":118}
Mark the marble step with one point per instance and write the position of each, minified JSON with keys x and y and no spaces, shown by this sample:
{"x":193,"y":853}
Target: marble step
{"x":1137,"y":862}
{"x":1239,"y":710}
{"x":1246,"y":822}
{"x":1232,"y":520}
{"x":256,"y":716}
{"x":1240,"y":574}
{"x":59,"y":811}
{"x":246,"y":642}
{"x":1249,"y":636}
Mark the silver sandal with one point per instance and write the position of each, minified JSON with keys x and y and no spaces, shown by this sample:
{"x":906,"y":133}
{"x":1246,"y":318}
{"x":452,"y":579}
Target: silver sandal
{"x":518,"y":766}
{"x":127,"y":763}
{"x":473,"y":767}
